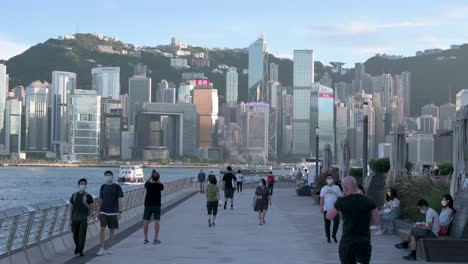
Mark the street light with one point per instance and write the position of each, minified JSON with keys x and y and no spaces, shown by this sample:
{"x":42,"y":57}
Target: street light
{"x":317,"y":131}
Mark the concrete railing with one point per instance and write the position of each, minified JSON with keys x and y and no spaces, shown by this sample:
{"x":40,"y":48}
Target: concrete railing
{"x":26,"y":227}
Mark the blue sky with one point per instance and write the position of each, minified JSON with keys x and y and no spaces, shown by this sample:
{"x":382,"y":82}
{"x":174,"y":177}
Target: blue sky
{"x":348,"y":31}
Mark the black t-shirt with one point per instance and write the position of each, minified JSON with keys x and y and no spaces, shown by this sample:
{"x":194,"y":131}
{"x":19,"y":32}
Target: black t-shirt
{"x":227,"y":179}
{"x":80,"y":211}
{"x":356,"y":210}
{"x":153,"y":193}
{"x":201,"y":177}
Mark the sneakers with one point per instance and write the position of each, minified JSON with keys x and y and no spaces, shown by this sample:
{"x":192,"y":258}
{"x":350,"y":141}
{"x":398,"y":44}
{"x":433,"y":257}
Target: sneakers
{"x":109,"y":251}
{"x":213,"y":224}
{"x":328,"y":240}
{"x":379,"y":232}
{"x":209,"y":223}
{"x":402,"y":245}
{"x":101,"y":252}
{"x":146,"y":241}
{"x":81,"y":254}
{"x":410,"y":257}
{"x":156,"y":242}
{"x":374,"y":227}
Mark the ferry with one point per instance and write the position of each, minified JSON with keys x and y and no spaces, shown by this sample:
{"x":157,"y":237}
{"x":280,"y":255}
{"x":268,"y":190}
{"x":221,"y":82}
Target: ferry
{"x":131,"y":173}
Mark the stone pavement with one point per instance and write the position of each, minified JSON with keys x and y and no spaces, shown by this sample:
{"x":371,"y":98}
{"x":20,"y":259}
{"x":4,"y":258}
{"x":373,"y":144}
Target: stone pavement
{"x":293,"y":234}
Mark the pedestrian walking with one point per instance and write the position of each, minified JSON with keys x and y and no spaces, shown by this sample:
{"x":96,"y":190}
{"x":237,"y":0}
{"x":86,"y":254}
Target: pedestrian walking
{"x":212,"y":201}
{"x":110,"y":210}
{"x":263,"y":199}
{"x":271,"y":182}
{"x":202,"y":181}
{"x":229,"y":180}
{"x":358,"y":213}
{"x":81,"y":206}
{"x":239,"y":180}
{"x":152,"y":211}
{"x":328,"y":196}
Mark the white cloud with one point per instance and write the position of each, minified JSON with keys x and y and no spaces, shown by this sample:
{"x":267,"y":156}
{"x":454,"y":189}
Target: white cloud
{"x":9,"y":49}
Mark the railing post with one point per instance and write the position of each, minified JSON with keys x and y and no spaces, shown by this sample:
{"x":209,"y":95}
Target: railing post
{"x":64,"y":219}
{"x":27,"y":231}
{"x":42,"y":224}
{"x":52,"y":224}
{"x":11,"y":236}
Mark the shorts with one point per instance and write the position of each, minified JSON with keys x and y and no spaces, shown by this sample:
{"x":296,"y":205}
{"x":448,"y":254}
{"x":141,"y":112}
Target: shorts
{"x":212,"y":207}
{"x":229,"y":193}
{"x":110,"y":221}
{"x":419,"y":233}
{"x":152,"y":213}
{"x":355,"y":251}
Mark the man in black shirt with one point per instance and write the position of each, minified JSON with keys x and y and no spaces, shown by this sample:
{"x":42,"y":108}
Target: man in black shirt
{"x":153,"y":188}
{"x":229,"y":180}
{"x":358,"y":212}
{"x":81,"y":204}
{"x":201,"y":181}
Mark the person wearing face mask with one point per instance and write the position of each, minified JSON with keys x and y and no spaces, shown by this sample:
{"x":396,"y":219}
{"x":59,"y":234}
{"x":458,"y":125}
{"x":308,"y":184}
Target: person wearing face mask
{"x":389,"y":212}
{"x":110,"y":209}
{"x":81,"y":206}
{"x":153,"y":187}
{"x":446,"y":215}
{"x":428,"y":229}
{"x":328,"y":196}
{"x":262,"y":200}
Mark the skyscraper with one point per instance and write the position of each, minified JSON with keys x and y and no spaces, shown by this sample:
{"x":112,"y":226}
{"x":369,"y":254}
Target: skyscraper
{"x":273,"y":72}
{"x":13,"y":111}
{"x":106,"y":81}
{"x":341,"y":125}
{"x":406,"y":86}
{"x":254,"y":127}
{"x":303,"y":68}
{"x":322,"y":116}
{"x":37,"y":118}
{"x":232,"y":86}
{"x":447,"y":116}
{"x":3,"y":94}
{"x":274,"y":89}
{"x":258,"y":70}
{"x":421,"y":149}
{"x":430,"y":109}
{"x":169,"y":95}
{"x":62,"y":84}
{"x":461,"y":99}
{"x":326,"y":80}
{"x":183,"y":95}
{"x":427,"y":124}
{"x":385,"y":88}
{"x":85,"y":119}
{"x":139,"y":92}
{"x":205,"y":99}
{"x":160,"y":91}
{"x":111,"y":128}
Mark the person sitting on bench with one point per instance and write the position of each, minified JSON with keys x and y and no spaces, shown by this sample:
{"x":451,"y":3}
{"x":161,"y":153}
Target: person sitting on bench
{"x":428,"y":229}
{"x":446,"y":214}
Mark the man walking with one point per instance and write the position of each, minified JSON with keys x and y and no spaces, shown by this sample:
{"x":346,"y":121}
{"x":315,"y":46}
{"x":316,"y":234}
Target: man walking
{"x":110,"y":209}
{"x":153,"y":187}
{"x":271,"y":182}
{"x":229,"y":180}
{"x":328,"y":196}
{"x":81,"y":204}
{"x":239,"y":179}
{"x":358,"y":212}
{"x":201,"y":181}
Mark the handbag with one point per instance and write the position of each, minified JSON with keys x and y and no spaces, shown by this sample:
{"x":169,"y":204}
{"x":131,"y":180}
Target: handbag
{"x":443,"y":231}
{"x":254,"y":201}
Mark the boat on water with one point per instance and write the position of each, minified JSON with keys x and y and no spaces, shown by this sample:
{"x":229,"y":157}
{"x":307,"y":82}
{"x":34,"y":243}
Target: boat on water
{"x":131,"y":174}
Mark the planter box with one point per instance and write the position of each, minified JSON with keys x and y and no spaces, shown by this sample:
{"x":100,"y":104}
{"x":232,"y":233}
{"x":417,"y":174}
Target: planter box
{"x":303,"y":192}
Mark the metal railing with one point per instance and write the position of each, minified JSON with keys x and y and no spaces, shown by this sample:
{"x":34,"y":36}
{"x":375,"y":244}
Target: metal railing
{"x":29,"y":226}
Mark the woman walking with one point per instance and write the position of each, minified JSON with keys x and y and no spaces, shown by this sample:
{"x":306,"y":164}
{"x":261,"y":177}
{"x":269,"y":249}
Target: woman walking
{"x":263,"y":199}
{"x":212,"y":201}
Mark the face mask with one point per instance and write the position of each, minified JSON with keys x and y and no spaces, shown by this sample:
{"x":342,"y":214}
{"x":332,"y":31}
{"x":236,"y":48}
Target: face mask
{"x":260,"y":184}
{"x":329,"y":181}
{"x":423,"y":212}
{"x":82,"y":187}
{"x":444,"y":203}
{"x":108,"y":178}
{"x":389,"y":194}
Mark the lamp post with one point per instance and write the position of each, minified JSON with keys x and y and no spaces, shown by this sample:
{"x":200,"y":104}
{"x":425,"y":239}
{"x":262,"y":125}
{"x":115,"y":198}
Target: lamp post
{"x":317,"y":131}
{"x":365,"y":125}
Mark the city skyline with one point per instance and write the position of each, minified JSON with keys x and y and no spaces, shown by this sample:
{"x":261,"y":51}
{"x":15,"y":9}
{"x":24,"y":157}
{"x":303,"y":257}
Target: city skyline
{"x":353,"y":31}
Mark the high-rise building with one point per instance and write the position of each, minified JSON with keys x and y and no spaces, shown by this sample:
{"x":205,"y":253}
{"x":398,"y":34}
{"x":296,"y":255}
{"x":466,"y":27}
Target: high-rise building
{"x":406,"y":86}
{"x":232,"y":86}
{"x":303,"y":68}
{"x":274,"y":89}
{"x":184,"y":93}
{"x":205,"y":99}
{"x":37,"y":118}
{"x":421,"y":149}
{"x":139,"y":92}
{"x":169,"y":95}
{"x":13,"y":111}
{"x":342,"y":92}
{"x":287,"y":139}
{"x":258,"y":70}
{"x":430,"y":109}
{"x":301,"y":124}
{"x":461,"y":99}
{"x":362,"y":105}
{"x":3,"y":94}
{"x":385,"y":88}
{"x":160,"y":91}
{"x":63,"y":83}
{"x":19,"y":93}
{"x":326,"y":80}
{"x":447,"y":116}
{"x":106,"y":81}
{"x":341,"y":125}
{"x":85,"y":127}
{"x":322,"y":113}
{"x":254,"y":125}
{"x":359,"y":73}
{"x":273,"y":72}
{"x":111,"y":128}
{"x":427,"y":124}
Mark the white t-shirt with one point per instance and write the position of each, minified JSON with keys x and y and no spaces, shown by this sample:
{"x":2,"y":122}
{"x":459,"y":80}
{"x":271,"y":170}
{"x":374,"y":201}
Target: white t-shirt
{"x":395,"y":203}
{"x":239,"y":177}
{"x":433,"y":217}
{"x":330,"y":194}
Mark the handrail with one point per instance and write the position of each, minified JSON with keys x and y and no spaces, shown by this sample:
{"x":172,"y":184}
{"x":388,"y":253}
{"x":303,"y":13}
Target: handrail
{"x":27,"y":226}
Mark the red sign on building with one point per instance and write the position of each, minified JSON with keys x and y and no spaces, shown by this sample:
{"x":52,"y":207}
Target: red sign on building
{"x":202,"y":82}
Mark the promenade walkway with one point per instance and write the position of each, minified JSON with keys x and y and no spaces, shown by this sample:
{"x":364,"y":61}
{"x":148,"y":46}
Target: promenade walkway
{"x":293,"y":234}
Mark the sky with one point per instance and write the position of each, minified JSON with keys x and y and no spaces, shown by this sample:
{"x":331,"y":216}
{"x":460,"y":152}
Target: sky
{"x":337,"y":30}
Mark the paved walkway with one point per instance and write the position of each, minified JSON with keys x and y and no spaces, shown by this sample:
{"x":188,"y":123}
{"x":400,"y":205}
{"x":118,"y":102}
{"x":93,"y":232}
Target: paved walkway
{"x":293,"y":234}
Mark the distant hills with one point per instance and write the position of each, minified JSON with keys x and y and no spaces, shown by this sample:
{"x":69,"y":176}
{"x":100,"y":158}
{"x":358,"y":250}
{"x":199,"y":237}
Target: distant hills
{"x":431,"y":74}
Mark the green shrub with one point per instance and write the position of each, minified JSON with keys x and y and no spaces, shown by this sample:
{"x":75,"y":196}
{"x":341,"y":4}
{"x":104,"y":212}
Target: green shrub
{"x":409,"y":165}
{"x":355,"y":172}
{"x":445,"y":169}
{"x":412,"y":189}
{"x":380,"y":165}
